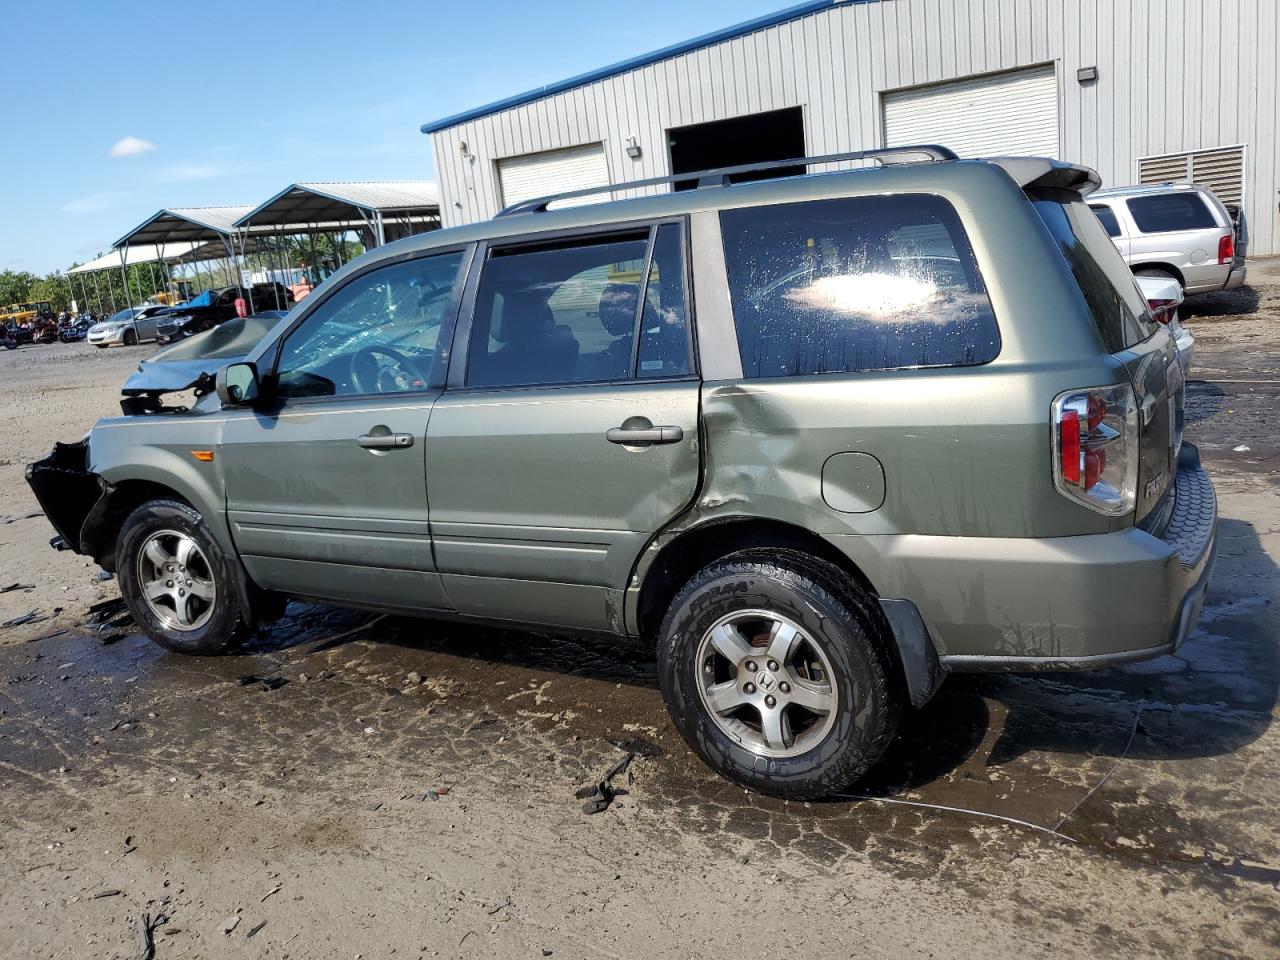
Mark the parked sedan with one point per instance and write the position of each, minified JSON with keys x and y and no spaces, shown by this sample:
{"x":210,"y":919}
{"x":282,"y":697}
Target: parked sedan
{"x":1164,"y":296}
{"x":130,"y":326}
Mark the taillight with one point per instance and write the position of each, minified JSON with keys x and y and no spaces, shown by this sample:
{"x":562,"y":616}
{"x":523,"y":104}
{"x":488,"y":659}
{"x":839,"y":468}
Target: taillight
{"x":1095,"y":448}
{"x":1226,"y":249}
{"x":1163,"y":310}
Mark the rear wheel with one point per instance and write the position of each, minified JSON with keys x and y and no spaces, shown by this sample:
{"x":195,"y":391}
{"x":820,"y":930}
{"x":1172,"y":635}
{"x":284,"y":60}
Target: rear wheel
{"x":777,"y":673}
{"x":177,"y":582}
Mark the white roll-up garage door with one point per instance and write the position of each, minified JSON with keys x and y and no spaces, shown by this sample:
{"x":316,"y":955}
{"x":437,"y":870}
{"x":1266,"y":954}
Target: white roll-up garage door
{"x":1013,"y":113}
{"x":553,"y":171}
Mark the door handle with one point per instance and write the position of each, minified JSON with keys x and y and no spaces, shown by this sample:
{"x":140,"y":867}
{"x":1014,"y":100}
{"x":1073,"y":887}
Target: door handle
{"x":644,"y":436}
{"x":385,"y":441}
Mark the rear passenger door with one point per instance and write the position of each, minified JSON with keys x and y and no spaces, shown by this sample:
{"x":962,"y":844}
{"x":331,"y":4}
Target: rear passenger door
{"x":568,"y":433}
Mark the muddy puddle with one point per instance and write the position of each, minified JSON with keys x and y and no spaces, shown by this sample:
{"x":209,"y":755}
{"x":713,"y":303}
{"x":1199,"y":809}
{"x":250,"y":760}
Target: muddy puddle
{"x":1156,"y":765}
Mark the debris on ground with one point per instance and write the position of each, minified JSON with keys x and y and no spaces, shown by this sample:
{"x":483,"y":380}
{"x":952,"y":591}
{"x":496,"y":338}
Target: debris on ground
{"x":268,"y":683}
{"x":637,"y":746}
{"x":144,"y":934}
{"x":599,"y":797}
{"x":33,"y":617}
{"x":413,"y":678}
{"x":17,"y":586}
{"x":105,"y":893}
{"x":109,"y":617}
{"x":230,"y":924}
{"x":129,"y":845}
{"x":253,"y":931}
{"x":272,"y":892}
{"x":25,"y":516}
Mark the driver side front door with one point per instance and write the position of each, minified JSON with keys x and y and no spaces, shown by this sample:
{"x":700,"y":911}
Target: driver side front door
{"x":326,"y":482}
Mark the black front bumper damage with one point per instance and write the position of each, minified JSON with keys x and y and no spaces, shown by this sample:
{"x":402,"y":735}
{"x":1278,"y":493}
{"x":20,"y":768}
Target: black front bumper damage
{"x":69,"y":493}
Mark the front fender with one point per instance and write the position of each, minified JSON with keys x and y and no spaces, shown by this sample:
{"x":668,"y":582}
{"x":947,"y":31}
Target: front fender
{"x":175,"y":469}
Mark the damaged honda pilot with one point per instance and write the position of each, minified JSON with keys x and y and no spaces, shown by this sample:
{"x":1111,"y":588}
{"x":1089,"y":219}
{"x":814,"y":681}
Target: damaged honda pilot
{"x":822,"y":439}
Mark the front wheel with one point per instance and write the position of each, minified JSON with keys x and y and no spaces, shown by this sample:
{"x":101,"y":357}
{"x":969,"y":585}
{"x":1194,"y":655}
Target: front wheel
{"x":130,"y":338}
{"x":177,"y":582}
{"x":777,"y":673}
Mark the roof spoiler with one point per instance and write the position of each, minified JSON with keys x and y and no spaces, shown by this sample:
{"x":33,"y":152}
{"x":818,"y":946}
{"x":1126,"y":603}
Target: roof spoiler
{"x":1032,"y":173}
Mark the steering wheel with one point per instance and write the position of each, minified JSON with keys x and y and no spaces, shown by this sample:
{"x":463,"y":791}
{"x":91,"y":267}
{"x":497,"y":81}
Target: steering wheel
{"x":368,"y":375}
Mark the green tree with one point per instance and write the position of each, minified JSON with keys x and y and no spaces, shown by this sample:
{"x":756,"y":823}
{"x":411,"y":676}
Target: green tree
{"x":52,"y":288}
{"x":15,"y":285}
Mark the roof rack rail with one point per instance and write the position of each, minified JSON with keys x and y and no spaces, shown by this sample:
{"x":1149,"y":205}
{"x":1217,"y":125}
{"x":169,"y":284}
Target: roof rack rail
{"x":722,"y":176}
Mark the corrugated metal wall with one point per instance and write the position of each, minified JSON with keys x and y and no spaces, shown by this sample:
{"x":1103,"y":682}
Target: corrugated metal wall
{"x":1173,"y":75}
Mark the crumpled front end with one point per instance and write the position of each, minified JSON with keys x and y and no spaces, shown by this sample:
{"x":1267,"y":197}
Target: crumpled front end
{"x":69,"y":493}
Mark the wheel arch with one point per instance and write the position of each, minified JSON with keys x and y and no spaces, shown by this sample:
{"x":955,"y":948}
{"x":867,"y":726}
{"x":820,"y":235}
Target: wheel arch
{"x":1163,"y":267}
{"x":685,"y":554}
{"x":915,"y":657}
{"x":150,"y":473}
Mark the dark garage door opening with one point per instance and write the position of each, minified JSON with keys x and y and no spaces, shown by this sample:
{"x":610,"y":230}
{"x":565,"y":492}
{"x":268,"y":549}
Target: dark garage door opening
{"x":755,"y":138}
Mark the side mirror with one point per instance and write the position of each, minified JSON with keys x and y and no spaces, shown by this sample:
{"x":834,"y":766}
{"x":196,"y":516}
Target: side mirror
{"x":238,"y":384}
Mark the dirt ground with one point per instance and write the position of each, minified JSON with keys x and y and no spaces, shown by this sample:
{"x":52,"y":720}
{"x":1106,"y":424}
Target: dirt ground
{"x":402,"y":788}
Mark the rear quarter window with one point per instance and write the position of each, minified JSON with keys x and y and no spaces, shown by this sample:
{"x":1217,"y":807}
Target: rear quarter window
{"x":855,"y":284}
{"x":1107,"y":217}
{"x":1167,"y":212}
{"x":1117,"y":309}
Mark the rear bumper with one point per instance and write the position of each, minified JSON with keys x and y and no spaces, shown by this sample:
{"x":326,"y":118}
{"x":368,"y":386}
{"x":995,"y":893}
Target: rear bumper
{"x":1236,"y":278}
{"x":1062,"y":603}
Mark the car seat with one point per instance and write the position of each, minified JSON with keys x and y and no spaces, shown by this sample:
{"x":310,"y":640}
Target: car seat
{"x":535,"y":349}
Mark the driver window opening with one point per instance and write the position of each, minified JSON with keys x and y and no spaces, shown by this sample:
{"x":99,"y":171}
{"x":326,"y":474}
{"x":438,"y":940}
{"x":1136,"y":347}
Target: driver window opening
{"x":377,"y":335}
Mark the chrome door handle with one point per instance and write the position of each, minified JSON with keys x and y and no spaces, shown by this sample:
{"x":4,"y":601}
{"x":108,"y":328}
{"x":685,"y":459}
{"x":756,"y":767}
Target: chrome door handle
{"x":385,"y":441}
{"x":644,"y":436}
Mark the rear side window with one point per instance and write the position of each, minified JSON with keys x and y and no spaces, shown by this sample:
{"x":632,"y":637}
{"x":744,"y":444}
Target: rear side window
{"x":854,"y":284}
{"x":1166,"y":212}
{"x":1116,"y":307}
{"x":1107,"y":217}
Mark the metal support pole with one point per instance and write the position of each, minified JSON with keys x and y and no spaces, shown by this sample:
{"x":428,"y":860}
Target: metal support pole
{"x":124,"y":274}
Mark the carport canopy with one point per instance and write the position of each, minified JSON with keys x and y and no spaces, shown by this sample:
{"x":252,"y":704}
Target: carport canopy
{"x":184,"y":224}
{"x":306,"y":207}
{"x":148,"y":253}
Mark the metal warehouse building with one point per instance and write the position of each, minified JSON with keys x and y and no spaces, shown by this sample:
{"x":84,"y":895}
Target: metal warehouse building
{"x":1141,"y":90}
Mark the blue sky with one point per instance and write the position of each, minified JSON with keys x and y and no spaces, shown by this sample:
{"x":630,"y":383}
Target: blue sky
{"x":235,"y":100}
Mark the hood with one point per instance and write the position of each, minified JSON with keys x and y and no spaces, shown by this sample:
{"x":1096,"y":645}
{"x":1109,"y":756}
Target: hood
{"x":183,"y":365}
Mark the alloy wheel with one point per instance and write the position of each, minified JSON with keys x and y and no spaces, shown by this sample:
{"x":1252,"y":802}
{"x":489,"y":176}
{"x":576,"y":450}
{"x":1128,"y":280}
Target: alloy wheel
{"x":176,"y":580}
{"x":766,"y":683}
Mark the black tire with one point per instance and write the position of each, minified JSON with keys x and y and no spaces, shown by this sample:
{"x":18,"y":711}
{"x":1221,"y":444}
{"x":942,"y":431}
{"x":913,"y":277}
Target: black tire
{"x":130,"y":338}
{"x":837,"y":616}
{"x":226,"y":626}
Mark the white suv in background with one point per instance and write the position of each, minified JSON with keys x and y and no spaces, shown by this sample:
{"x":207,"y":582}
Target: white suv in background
{"x":1175,"y":230}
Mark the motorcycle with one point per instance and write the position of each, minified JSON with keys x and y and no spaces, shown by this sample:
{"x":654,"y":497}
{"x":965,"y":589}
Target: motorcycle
{"x":44,"y":329}
{"x":72,"y":329}
{"x":14,"y":335}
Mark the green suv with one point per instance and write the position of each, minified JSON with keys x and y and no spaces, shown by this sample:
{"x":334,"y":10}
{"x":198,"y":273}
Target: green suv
{"x":821,"y":439}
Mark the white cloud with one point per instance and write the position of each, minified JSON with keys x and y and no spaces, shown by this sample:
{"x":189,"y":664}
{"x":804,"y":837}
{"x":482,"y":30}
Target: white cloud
{"x":130,"y":147}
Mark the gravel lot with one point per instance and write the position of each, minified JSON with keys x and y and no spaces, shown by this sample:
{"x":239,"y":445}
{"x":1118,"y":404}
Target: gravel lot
{"x":408,"y":791}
